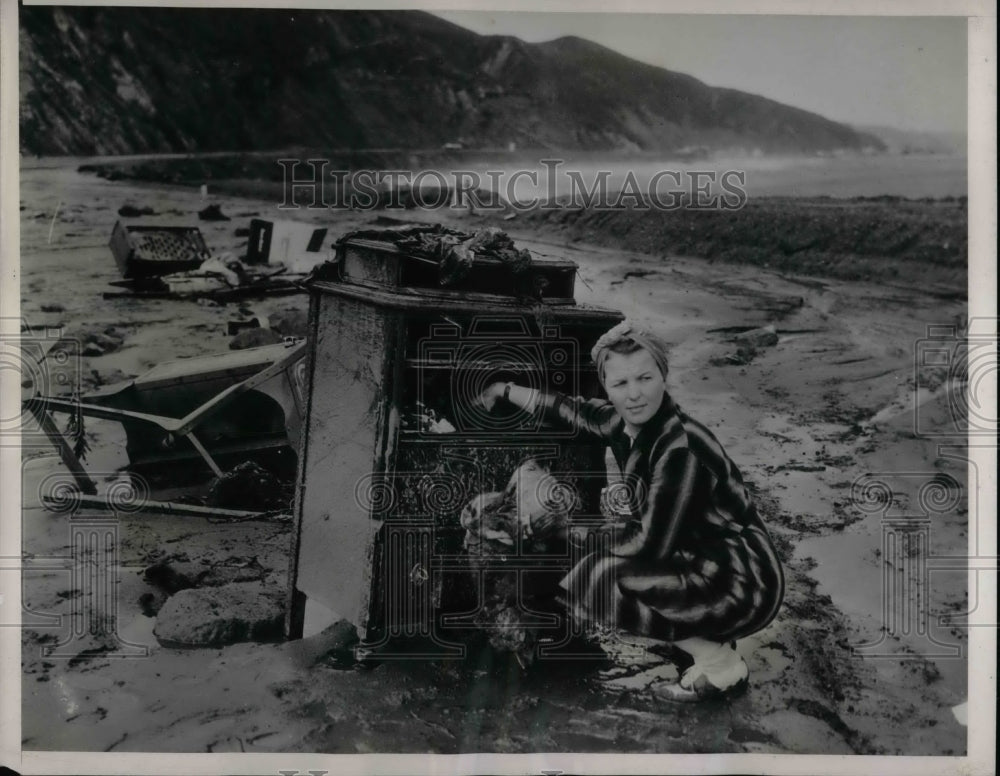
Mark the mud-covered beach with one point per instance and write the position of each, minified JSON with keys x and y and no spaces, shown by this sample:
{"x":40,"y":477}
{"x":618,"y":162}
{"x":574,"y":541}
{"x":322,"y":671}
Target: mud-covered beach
{"x":822,"y":423}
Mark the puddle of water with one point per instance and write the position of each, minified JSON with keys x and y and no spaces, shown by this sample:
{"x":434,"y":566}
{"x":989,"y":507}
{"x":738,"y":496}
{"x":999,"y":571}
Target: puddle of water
{"x":664,"y":672}
{"x":869,"y":589}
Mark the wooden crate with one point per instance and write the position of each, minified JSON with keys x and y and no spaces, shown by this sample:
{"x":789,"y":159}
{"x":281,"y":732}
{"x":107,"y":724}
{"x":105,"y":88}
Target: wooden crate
{"x":152,"y":251}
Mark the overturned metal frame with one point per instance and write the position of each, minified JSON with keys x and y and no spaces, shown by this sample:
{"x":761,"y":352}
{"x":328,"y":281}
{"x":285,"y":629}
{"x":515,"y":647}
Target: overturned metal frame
{"x":42,"y":407}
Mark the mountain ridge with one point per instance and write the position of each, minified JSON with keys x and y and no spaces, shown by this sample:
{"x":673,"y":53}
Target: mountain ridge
{"x":117,"y":80}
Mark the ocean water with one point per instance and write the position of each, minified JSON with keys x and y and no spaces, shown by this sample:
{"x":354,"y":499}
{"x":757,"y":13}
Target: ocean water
{"x":527,"y":178}
{"x":911,"y":176}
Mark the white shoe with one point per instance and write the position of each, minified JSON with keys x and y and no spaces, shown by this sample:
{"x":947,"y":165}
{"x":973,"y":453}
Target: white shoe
{"x":708,"y":681}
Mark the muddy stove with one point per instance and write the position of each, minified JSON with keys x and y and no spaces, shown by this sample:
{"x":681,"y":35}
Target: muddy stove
{"x":394,"y":448}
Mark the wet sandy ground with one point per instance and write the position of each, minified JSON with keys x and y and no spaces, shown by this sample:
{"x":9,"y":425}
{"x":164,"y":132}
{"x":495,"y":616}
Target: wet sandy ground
{"x":829,"y":404}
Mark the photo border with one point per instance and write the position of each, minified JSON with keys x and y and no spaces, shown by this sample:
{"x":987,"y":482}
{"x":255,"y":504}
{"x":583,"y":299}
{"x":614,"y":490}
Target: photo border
{"x":982,"y":303}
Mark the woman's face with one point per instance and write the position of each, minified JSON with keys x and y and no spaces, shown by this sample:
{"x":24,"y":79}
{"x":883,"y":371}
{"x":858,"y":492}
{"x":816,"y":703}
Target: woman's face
{"x":634,"y":385}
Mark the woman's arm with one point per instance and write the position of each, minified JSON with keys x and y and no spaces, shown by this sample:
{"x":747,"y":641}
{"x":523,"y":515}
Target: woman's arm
{"x":677,"y":479}
{"x":523,"y":398}
{"x":594,"y":417}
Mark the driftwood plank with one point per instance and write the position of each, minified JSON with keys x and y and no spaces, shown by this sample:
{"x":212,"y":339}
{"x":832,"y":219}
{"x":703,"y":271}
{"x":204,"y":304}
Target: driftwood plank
{"x":161,"y":507}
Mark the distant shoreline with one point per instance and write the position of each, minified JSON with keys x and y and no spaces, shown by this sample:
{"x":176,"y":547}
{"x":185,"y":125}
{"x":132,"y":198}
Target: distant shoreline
{"x":918,"y":240}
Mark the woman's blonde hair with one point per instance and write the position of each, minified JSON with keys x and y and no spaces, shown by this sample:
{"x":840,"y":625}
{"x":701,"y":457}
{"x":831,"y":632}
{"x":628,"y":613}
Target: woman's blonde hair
{"x":627,"y":338}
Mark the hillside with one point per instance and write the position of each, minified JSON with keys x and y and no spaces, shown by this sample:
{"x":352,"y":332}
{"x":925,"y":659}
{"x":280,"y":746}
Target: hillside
{"x":105,"y":80}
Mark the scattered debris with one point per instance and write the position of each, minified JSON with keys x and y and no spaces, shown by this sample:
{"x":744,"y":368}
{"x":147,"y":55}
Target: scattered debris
{"x":249,"y":486}
{"x":529,"y":513}
{"x":221,"y":278}
{"x":290,"y":322}
{"x":88,"y":342}
{"x":168,"y":412}
{"x":173,"y":576}
{"x":427,"y":420}
{"x":750,"y":342}
{"x":381,"y":220}
{"x":212,"y":213}
{"x":98,"y":344}
{"x":152,"y":251}
{"x":781,"y":308}
{"x":235,"y":327}
{"x":296,"y":245}
{"x":453,"y":250}
{"x":763,"y":337}
{"x":149,"y":604}
{"x":254,"y":338}
{"x":226,"y":266}
{"x":77,"y":432}
{"x":131,"y":211}
{"x":98,"y":379}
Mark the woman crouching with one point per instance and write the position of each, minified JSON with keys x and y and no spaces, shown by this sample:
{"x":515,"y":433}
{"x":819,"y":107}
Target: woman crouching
{"x":691,"y":564}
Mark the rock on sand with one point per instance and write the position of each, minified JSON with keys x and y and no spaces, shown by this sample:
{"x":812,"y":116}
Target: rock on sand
{"x":211,"y":617}
{"x":254,"y":338}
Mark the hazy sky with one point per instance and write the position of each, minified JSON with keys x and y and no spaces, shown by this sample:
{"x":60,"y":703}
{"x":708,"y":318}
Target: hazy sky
{"x":903,"y":72}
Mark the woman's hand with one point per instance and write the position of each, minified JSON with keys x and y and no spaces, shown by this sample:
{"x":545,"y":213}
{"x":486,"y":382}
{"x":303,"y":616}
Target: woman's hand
{"x":578,"y":535}
{"x":542,"y":524}
{"x":490,"y":395}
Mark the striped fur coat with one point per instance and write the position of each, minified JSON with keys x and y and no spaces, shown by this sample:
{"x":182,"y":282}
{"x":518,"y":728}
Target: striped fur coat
{"x":692,"y":558}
